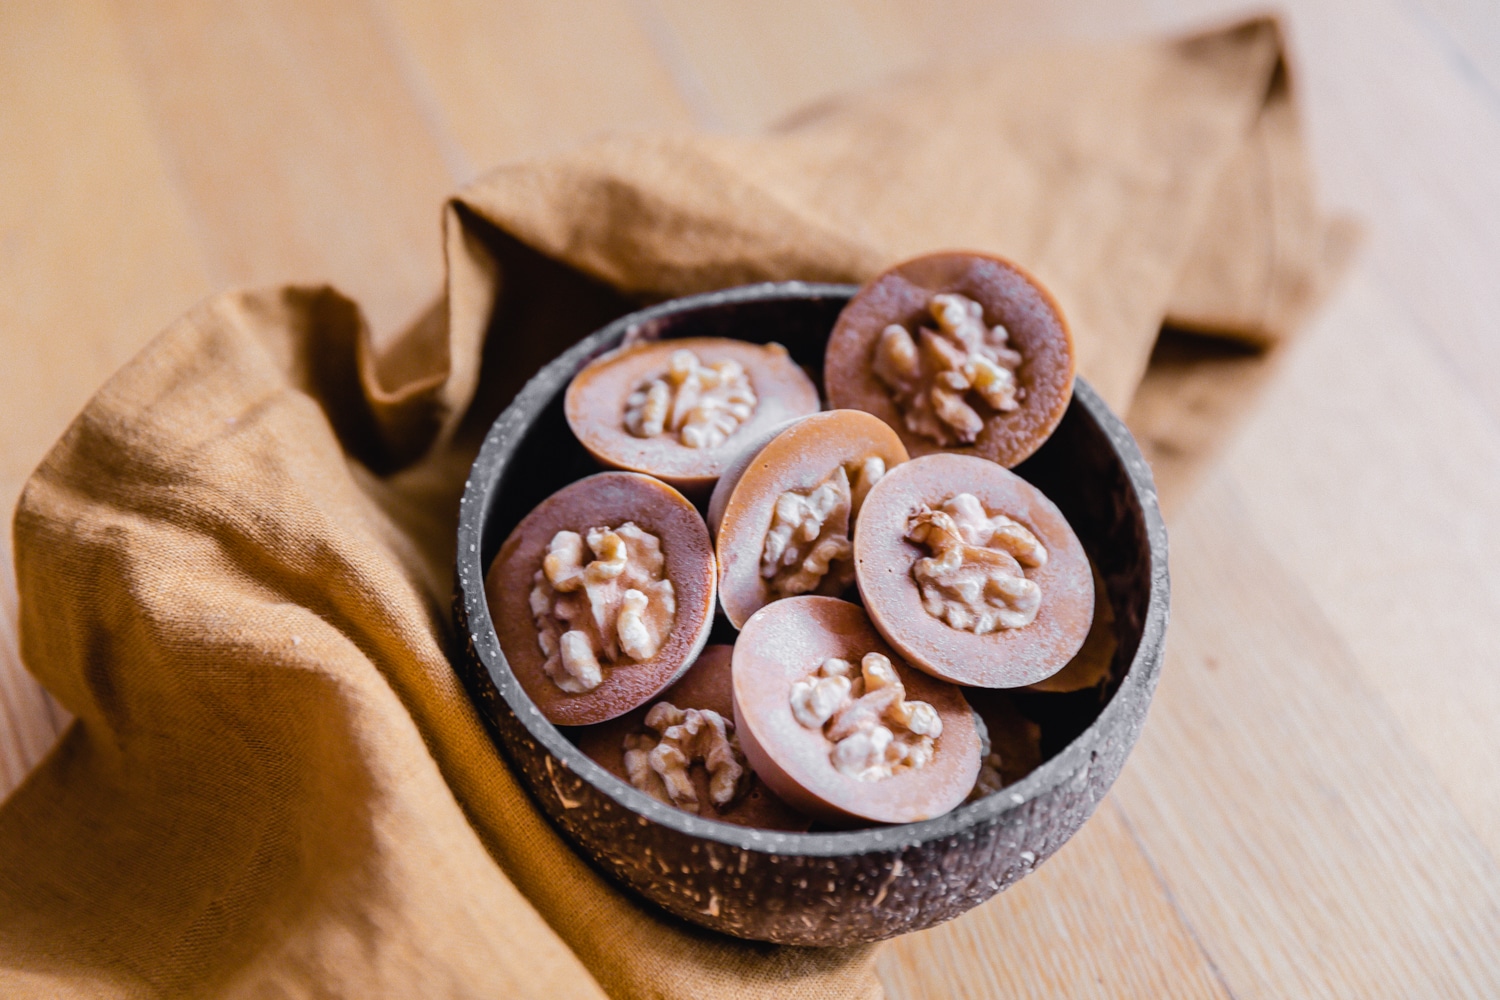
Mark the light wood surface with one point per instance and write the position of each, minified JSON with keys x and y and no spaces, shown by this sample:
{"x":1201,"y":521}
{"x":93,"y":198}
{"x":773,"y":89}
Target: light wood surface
{"x":1314,"y":809}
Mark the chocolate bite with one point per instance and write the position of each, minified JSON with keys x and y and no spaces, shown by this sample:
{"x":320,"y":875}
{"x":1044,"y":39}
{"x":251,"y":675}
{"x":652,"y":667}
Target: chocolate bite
{"x":783,"y":513}
{"x":603,"y":595}
{"x":1093,"y":663}
{"x":971,"y":573}
{"x":959,"y":352}
{"x":681,"y":409}
{"x":834,"y":721}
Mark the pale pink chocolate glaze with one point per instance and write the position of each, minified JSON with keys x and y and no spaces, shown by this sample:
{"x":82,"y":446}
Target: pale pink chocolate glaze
{"x":595,"y":407}
{"x":883,"y":560}
{"x":786,"y":641}
{"x":1010,"y":296}
{"x":798,"y":458}
{"x":607,"y":499}
{"x":706,"y":685}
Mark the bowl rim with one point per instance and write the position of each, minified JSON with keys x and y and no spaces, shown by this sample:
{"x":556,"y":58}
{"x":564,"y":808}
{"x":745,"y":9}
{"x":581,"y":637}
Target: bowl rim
{"x":500,"y":445}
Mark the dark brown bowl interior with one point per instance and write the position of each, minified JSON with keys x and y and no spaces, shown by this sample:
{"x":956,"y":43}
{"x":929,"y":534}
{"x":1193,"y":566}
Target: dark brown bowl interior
{"x":820,"y":888}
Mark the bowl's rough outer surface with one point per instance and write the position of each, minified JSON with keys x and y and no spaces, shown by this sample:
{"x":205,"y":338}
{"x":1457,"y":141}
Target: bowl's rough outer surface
{"x":816,"y":888}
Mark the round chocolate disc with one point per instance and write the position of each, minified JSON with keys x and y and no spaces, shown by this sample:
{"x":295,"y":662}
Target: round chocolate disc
{"x":607,"y":501}
{"x":1030,"y":324}
{"x":787,"y":643}
{"x":803,"y":456}
{"x":696,"y":429}
{"x":886,"y":560}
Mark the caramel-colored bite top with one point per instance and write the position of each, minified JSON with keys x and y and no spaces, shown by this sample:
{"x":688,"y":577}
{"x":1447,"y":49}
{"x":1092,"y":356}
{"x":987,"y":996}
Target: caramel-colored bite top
{"x":886,"y":558}
{"x":606,"y":500}
{"x":1012,"y":300}
{"x":785,"y":643}
{"x":802,"y":458}
{"x":640,"y":408}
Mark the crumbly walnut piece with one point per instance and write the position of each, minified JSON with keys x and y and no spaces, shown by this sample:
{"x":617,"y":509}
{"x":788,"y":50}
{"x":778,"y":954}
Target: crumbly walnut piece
{"x":702,"y":404}
{"x":975,"y":578}
{"x":941,"y":379}
{"x":874,"y":730}
{"x":591,"y":613}
{"x":659,"y":762}
{"x":810,"y":530}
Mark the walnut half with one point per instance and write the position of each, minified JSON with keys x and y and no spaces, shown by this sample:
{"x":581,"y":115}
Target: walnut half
{"x":659,"y":762}
{"x":617,"y":605}
{"x":875,"y":731}
{"x":810,"y":530}
{"x":702,"y":404}
{"x":941,"y":379}
{"x":975,"y":578}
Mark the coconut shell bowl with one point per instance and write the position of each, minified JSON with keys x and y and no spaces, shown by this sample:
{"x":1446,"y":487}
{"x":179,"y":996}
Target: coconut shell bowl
{"x":824,"y":886}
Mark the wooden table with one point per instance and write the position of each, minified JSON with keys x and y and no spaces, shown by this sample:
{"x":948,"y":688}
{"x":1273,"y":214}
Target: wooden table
{"x":1314,"y":810}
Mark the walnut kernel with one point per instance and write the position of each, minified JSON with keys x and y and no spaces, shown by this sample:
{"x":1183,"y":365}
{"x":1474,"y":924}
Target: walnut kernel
{"x":938,"y":379}
{"x":875,"y":731}
{"x":660,"y":762}
{"x":702,"y":404}
{"x":618,"y":605}
{"x":975,"y":578}
{"x":810,"y":530}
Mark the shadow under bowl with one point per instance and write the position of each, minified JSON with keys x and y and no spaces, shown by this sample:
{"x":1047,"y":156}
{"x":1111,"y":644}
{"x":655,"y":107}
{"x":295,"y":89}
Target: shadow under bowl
{"x":818,"y":888}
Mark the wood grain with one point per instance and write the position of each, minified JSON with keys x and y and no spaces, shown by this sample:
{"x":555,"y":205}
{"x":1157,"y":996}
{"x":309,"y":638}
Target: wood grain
{"x":1394,"y":530}
{"x":1306,"y":844}
{"x":297,"y":146}
{"x":1094,"y":921}
{"x":523,"y":78}
{"x":758,"y":62}
{"x":1312,"y":811}
{"x":96,"y":254}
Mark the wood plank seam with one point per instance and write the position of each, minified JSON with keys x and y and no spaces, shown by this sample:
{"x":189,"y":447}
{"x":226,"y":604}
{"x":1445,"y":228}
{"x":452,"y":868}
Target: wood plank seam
{"x":1166,"y":890}
{"x":1464,"y":66}
{"x":419,"y":88}
{"x":1300,"y":595}
{"x":673,"y":55}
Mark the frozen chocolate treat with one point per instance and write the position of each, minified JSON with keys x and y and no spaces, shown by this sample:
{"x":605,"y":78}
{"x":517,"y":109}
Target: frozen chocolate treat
{"x":680,"y":409}
{"x":971,"y":573}
{"x":958,"y":352}
{"x":839,"y":726}
{"x":603,"y":595}
{"x":783,"y":514}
